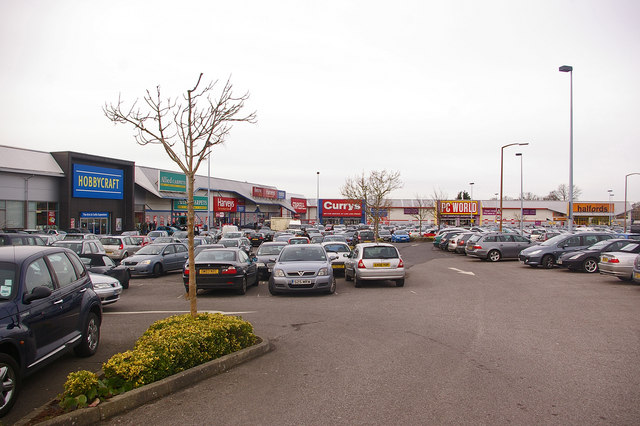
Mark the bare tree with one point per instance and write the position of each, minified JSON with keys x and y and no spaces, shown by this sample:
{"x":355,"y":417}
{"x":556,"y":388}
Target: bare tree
{"x":192,"y":129}
{"x":425,"y":207}
{"x":373,"y":190}
{"x":437,"y":197}
{"x":562,"y":193}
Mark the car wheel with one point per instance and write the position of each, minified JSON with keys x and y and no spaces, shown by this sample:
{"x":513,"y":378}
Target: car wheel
{"x":494,"y":255}
{"x":90,"y":337}
{"x":157,"y":270}
{"x":357,"y":281}
{"x":400,"y":283}
{"x":125,"y":282}
{"x":590,"y":265}
{"x":9,"y":383}
{"x":243,"y":286}
{"x":332,"y":287}
{"x":272,"y":289}
{"x":547,"y":261}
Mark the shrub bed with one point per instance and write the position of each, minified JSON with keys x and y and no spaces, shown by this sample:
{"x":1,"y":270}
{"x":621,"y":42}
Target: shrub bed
{"x":169,"y":346}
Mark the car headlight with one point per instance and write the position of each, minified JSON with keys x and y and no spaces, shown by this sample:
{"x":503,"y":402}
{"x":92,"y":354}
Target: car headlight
{"x":575,"y":256}
{"x":278,"y":273}
{"x":145,"y":262}
{"x":535,"y":252}
{"x":104,"y":285}
{"x":323,"y":272}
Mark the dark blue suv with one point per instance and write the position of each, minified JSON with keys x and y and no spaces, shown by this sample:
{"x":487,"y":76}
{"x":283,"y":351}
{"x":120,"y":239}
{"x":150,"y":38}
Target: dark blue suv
{"x":47,"y":305}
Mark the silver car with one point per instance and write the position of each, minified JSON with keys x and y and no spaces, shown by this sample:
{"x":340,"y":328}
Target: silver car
{"x":119,"y":247}
{"x":494,"y":246}
{"x":619,"y":263}
{"x":374,"y":261}
{"x":108,"y":288}
{"x":156,"y":259}
{"x":302,"y":268}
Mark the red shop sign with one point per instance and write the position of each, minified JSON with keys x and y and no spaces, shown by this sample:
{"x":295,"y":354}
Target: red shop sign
{"x":224,"y":204}
{"x":341,"y":208}
{"x":299,"y":205}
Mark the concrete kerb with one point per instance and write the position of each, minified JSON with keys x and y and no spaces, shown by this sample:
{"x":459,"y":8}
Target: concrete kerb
{"x":137,"y":397}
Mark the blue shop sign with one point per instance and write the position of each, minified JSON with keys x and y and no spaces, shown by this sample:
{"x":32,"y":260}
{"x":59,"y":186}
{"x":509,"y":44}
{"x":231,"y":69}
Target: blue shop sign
{"x":97,"y":182}
{"x":240,"y":209}
{"x":85,"y":215}
{"x":282,"y":195}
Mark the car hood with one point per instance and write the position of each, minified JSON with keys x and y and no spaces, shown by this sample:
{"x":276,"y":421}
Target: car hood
{"x":300,"y":266}
{"x":101,"y":279}
{"x":141,"y":257}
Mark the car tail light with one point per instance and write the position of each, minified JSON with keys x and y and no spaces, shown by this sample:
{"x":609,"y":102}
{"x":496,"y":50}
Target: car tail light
{"x":477,"y":247}
{"x":121,"y":246}
{"x":361,"y":264}
{"x":460,"y":243}
{"x":401,"y":264}
{"x":613,"y":260}
{"x":230,"y":270}
{"x":186,"y":271}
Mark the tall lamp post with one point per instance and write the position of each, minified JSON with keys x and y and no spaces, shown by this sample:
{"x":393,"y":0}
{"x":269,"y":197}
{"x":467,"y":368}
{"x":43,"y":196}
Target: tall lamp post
{"x":569,"y":69}
{"x":471,"y":197}
{"x":625,"y":199}
{"x":519,"y":154}
{"x":318,"y":198}
{"x":502,"y":172}
{"x":610,"y":191}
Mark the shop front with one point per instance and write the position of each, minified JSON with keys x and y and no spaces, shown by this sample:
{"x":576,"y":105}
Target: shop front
{"x":459,"y":213}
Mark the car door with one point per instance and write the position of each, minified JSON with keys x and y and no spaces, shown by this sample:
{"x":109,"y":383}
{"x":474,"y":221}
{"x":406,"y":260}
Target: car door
{"x":570,"y":244}
{"x":507,"y":246}
{"x":349,"y":263}
{"x":520,"y":243}
{"x":250,"y":267}
{"x":71,"y":284}
{"x":168,"y":258}
{"x":182,"y":254}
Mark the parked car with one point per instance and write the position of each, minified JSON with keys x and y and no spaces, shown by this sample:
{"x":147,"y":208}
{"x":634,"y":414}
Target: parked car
{"x":47,"y":306}
{"x":364,"y":236}
{"x":119,"y":247}
{"x":302,"y":268}
{"x":106,"y":287}
{"x":586,"y":260}
{"x":495,"y":246}
{"x":79,"y":236}
{"x":461,"y":242}
{"x":636,"y":270}
{"x":169,"y":239}
{"x":339,"y":249}
{"x":256,"y":238}
{"x":444,"y":242}
{"x":168,"y":229}
{"x":241,"y":243}
{"x":15,"y":239}
{"x":156,"y":259}
{"x":141,"y":240}
{"x":317,"y":239}
{"x":384,"y":235}
{"x":299,"y":240}
{"x":266,"y":257}
{"x":546,"y":253}
{"x":102,"y":264}
{"x":400,"y":236}
{"x":155,"y":234}
{"x":82,"y":246}
{"x":331,"y":238}
{"x":620,"y":263}
{"x":222,"y":268}
{"x":374,"y":261}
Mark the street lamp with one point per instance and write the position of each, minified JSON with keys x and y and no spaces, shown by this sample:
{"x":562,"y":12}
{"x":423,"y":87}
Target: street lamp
{"x":610,"y":191}
{"x":569,"y":69}
{"x":471,"y":198}
{"x":318,"y":198}
{"x":625,"y":199}
{"x":519,"y":154}
{"x":501,"y":173}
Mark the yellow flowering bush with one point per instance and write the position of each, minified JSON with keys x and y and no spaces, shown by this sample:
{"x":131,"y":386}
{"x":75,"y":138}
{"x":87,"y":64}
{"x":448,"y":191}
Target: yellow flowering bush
{"x":167,"y":347}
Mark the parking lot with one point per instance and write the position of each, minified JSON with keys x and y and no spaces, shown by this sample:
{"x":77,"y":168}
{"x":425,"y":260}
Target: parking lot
{"x":464,"y":341}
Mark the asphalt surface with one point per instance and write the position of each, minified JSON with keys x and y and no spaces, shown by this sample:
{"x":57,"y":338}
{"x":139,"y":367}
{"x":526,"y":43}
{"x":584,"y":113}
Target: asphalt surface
{"x":464,"y":341}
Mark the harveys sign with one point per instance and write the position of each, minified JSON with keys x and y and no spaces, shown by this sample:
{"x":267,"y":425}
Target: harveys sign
{"x":224,"y":204}
{"x":299,"y":205}
{"x":341,"y":208}
{"x":458,"y":207}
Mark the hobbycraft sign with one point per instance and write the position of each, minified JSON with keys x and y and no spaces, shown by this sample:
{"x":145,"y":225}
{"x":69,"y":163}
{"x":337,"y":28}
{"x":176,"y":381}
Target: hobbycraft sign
{"x":97,"y":182}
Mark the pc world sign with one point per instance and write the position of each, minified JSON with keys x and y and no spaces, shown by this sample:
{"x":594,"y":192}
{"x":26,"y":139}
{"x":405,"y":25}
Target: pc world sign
{"x":456,"y":207}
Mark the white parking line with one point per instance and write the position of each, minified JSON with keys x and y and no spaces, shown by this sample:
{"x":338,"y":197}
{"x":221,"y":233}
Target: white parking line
{"x":176,"y":312}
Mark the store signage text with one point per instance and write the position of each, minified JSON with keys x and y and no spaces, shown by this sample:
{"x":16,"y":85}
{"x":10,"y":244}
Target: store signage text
{"x":224,"y":204}
{"x":591,"y":207}
{"x":174,"y":182}
{"x":199,"y":203}
{"x":341,"y":208}
{"x":299,"y":205}
{"x":458,"y":207}
{"x":97,"y":182}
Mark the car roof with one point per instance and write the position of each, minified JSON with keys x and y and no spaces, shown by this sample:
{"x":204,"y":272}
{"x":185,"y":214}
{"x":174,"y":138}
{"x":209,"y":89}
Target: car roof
{"x":17,"y":254}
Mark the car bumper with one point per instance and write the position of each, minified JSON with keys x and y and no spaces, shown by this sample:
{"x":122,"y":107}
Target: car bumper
{"x":636,"y":276}
{"x":216,"y":283}
{"x":108,"y":296}
{"x":264,"y":270}
{"x":140,"y":270}
{"x":286,"y":284}
{"x":380,"y":274}
{"x":625,"y":272}
{"x":530,"y":260}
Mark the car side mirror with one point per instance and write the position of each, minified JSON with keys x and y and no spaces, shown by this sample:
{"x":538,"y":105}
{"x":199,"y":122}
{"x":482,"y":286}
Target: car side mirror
{"x":334,"y":257}
{"x":37,"y":293}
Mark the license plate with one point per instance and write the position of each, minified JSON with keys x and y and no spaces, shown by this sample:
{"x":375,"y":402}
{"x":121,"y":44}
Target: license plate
{"x":604,"y":259}
{"x":208,"y":271}
{"x":299,"y":282}
{"x":381,"y":265}
{"x":131,"y":268}
{"x":338,"y":266}
{"x":636,"y":275}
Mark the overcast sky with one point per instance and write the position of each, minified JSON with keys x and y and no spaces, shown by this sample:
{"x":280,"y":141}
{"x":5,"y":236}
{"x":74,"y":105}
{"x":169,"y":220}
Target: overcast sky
{"x":431,"y":89}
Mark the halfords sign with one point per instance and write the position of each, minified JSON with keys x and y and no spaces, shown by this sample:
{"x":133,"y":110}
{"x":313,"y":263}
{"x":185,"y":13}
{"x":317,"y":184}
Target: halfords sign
{"x":97,"y":182}
{"x":224,"y":204}
{"x":591,"y":208}
{"x":299,"y":205}
{"x":341,"y":208}
{"x":459,"y":207}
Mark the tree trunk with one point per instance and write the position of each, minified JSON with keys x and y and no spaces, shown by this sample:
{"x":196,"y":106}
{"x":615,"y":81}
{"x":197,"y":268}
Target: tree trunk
{"x":192,"y":266}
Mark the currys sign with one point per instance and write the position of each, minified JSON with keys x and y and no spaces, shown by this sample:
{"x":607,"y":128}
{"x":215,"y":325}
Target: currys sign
{"x":341,"y":208}
{"x":299,"y":205}
{"x":224,"y":204}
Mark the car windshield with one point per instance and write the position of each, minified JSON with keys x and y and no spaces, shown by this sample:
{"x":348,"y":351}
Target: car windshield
{"x":75,"y":246}
{"x":599,"y":245}
{"x":267,"y":250}
{"x":337,"y":248}
{"x":233,"y":235}
{"x":110,"y":241}
{"x":216,"y":255}
{"x":151,"y":249}
{"x":7,"y":280}
{"x":302,"y":253}
{"x":553,"y":241}
{"x":230,"y":243}
{"x":380,"y":252}
{"x":74,"y":237}
{"x":401,"y":233}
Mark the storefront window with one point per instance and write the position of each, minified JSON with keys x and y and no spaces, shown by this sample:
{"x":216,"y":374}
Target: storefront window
{"x":14,"y":215}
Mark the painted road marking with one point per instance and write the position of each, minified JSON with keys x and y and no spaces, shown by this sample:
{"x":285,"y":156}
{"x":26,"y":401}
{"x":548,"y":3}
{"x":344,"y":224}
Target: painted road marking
{"x":460,"y":271}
